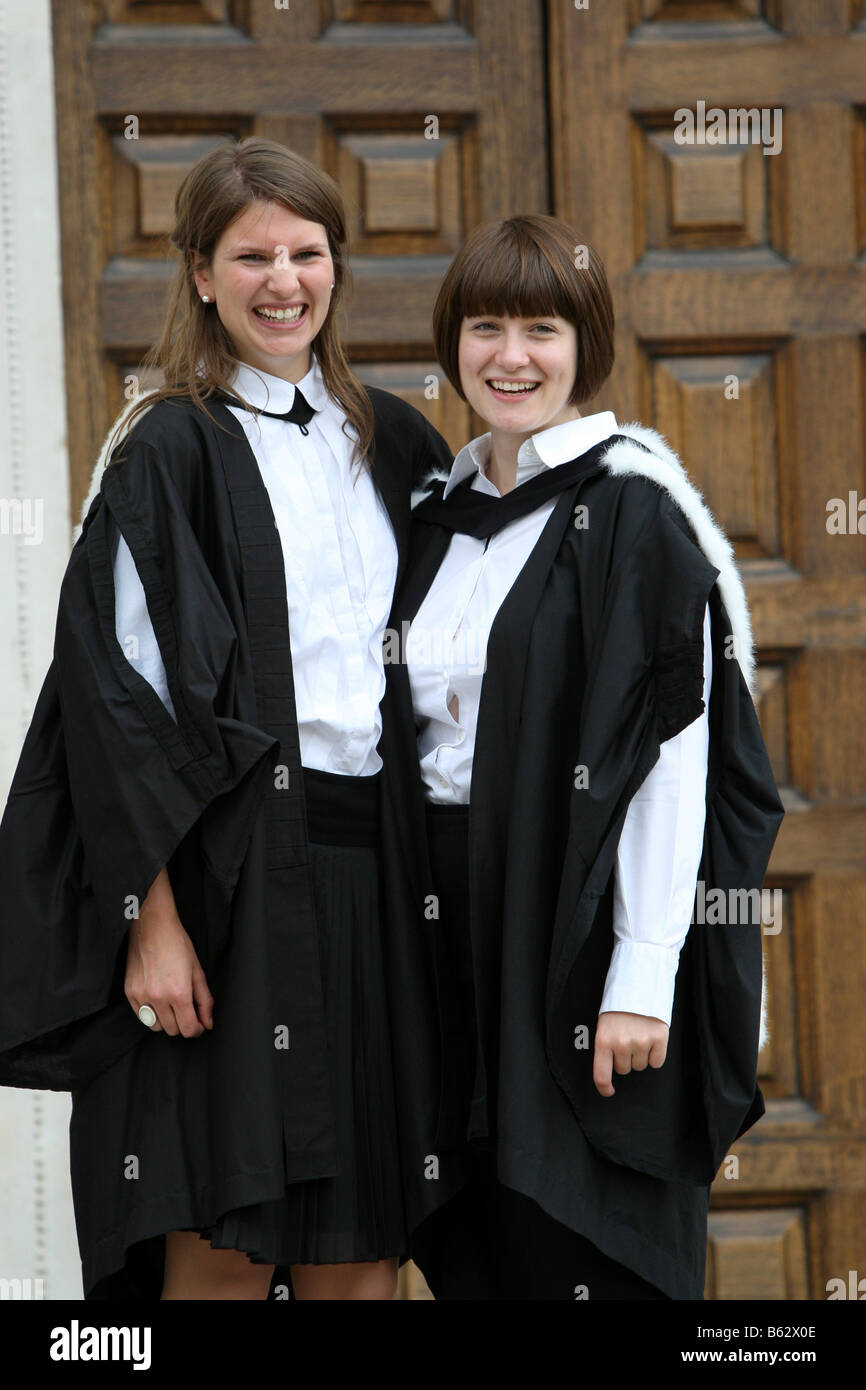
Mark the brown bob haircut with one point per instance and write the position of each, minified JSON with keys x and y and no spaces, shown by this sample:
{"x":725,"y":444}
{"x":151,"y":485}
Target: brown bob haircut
{"x":525,"y":267}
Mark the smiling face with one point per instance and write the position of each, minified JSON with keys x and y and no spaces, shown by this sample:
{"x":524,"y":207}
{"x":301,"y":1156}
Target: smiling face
{"x":518,"y":373}
{"x":270,"y":282}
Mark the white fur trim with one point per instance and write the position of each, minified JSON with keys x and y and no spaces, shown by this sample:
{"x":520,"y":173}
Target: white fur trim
{"x":764,"y":1035}
{"x":102,"y":460}
{"x":663,"y":467}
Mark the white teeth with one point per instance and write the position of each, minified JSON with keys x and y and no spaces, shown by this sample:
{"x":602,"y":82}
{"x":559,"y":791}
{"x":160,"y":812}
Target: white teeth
{"x":517,"y":387}
{"x":281,"y":315}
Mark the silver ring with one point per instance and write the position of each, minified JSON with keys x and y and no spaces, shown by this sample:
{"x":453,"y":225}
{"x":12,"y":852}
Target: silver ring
{"x":147,"y":1015}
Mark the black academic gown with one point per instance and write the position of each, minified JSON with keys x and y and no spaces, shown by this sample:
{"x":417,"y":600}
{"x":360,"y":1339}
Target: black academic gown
{"x":594,"y":659}
{"x":109,"y":789}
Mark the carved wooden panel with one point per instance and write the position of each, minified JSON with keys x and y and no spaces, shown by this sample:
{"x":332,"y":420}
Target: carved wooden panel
{"x":740,"y":269}
{"x":773,"y":706}
{"x":780,"y":1062}
{"x":174,"y":11}
{"x":144,"y":179}
{"x":699,"y":196}
{"x":757,"y":1255}
{"x":404,"y":191}
{"x":424,"y":385}
{"x":858,"y":157}
{"x":397,"y":11}
{"x":696,"y":11}
{"x":717,"y":412}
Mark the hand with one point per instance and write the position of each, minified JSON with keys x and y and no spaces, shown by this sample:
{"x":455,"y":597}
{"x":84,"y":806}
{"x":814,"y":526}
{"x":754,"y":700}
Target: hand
{"x":624,"y":1043}
{"x":163,"y":970}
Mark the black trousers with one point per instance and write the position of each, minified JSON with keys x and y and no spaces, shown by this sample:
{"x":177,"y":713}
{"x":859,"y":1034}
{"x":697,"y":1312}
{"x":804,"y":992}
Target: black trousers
{"x":489,"y":1241}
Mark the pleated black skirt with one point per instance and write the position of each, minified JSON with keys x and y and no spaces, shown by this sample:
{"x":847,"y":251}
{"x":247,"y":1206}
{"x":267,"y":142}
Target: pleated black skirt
{"x":153,"y":1103}
{"x":356,"y":1216}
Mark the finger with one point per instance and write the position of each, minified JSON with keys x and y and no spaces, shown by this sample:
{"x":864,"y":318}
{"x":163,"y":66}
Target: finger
{"x":622,"y":1059}
{"x":166,"y":1015}
{"x":202,"y":997}
{"x":186,"y":1017}
{"x":658,"y":1052}
{"x":601,"y":1068}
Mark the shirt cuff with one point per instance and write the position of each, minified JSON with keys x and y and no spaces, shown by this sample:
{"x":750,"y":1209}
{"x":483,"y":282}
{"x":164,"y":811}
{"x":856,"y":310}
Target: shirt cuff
{"x":640,"y":979}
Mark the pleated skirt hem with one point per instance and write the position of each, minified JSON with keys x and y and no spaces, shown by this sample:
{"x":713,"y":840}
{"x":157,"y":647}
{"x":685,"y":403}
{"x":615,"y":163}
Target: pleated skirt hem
{"x":356,"y":1216}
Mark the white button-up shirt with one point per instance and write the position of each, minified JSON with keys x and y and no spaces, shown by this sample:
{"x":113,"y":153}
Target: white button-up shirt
{"x":341,"y":565}
{"x":660,"y":846}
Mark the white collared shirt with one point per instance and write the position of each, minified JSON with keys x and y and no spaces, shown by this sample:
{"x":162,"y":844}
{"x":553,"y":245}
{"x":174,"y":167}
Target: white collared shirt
{"x":341,"y":565}
{"x":660,"y":846}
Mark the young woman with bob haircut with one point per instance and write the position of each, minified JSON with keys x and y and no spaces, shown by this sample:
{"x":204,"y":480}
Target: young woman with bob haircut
{"x":571,"y":725}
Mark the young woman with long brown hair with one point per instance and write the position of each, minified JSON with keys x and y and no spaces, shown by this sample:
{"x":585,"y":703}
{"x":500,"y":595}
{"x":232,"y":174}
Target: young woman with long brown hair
{"x":190,"y":852}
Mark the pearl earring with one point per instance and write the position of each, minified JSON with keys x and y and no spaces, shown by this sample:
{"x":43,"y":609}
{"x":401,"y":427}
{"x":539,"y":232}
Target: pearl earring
{"x":205,"y":299}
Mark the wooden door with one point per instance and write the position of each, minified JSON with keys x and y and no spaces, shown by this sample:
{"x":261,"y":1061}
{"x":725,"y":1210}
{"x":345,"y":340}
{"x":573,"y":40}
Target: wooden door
{"x":394,"y":98}
{"x":740,"y":288}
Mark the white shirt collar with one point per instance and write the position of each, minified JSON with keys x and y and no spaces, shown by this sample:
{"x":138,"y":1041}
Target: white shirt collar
{"x":548,"y":448}
{"x":268,"y":392}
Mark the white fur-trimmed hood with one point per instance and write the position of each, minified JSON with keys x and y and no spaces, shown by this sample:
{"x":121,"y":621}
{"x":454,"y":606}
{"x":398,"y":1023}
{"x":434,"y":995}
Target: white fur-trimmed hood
{"x":663,"y":466}
{"x":102,"y":460}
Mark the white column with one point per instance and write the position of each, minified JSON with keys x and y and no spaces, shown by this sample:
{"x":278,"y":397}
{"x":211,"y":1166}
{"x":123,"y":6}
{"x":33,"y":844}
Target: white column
{"x":37,"y":1230}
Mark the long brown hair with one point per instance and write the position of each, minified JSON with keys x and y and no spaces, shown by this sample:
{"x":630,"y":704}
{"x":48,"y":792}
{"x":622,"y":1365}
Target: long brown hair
{"x":523,"y":266}
{"x":217,"y":189}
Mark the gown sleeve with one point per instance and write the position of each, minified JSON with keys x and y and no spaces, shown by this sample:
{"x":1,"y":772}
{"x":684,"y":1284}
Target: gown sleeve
{"x":644,"y":597}
{"x":657,"y":863}
{"x":109,"y":784}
